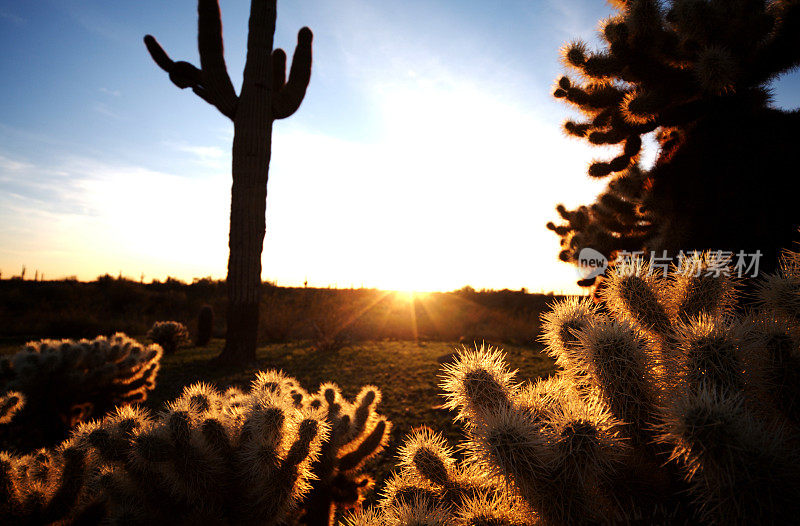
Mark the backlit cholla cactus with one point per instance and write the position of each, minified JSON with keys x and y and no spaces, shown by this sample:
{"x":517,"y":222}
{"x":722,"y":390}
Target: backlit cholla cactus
{"x":432,"y":487}
{"x":209,"y":457}
{"x":669,"y":408}
{"x":44,"y":487}
{"x":10,"y":404}
{"x":170,"y":335}
{"x":67,"y":382}
{"x":693,"y":384}
{"x":357,"y":434}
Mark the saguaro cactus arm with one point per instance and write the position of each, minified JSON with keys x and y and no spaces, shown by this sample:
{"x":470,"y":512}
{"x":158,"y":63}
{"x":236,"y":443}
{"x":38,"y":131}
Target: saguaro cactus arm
{"x":211,"y":82}
{"x":265,"y":67}
{"x":288,"y":97}
{"x":182,"y":74}
{"x":260,"y":37}
{"x":216,"y":81}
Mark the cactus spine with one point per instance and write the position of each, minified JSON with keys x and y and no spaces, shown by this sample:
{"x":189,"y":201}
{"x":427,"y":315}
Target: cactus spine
{"x":432,"y":487}
{"x":266,"y":95}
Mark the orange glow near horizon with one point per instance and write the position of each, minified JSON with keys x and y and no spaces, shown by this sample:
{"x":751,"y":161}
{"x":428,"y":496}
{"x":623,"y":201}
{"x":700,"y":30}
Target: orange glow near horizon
{"x":410,"y":295}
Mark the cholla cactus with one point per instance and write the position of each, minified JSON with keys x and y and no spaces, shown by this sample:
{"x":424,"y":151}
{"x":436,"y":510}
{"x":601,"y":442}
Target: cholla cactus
{"x":209,"y":457}
{"x":667,"y":410}
{"x":205,"y":326}
{"x":44,"y":487}
{"x":433,"y":488}
{"x":697,"y":385}
{"x":170,"y":335}
{"x":697,"y":74}
{"x":10,"y":404}
{"x":533,"y":454}
{"x":357,"y":434}
{"x":66,"y":382}
{"x":557,"y":448}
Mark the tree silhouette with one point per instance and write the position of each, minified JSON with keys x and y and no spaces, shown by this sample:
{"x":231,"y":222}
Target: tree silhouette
{"x":266,"y":95}
{"x":697,"y":73}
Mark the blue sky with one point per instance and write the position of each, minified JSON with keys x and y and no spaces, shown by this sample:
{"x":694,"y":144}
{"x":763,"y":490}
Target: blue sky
{"x":427,"y":153}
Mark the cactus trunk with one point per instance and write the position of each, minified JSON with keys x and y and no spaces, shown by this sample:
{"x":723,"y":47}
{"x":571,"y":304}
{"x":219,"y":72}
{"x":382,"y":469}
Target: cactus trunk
{"x":252,"y":142}
{"x":251,"y":153}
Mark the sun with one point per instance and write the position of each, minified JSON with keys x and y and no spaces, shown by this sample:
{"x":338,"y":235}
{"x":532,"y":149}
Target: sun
{"x":405,"y":295}
{"x":409,"y":296}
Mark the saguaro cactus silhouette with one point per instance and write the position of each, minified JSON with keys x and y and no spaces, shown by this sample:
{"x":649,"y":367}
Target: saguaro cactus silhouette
{"x":266,"y":95}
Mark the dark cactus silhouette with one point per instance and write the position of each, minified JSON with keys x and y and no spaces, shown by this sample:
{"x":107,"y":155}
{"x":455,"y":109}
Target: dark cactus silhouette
{"x":697,"y":74}
{"x":170,"y":335}
{"x":205,"y":326}
{"x":266,"y":95}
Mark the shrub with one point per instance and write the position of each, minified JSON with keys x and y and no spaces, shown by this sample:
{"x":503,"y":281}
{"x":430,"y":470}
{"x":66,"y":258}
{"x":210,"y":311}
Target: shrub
{"x":669,"y":408}
{"x":330,"y":337}
{"x":209,"y":457}
{"x":170,"y":335}
{"x":64,"y":383}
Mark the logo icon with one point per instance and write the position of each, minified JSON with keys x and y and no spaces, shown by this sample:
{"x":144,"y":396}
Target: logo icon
{"x":591,"y":263}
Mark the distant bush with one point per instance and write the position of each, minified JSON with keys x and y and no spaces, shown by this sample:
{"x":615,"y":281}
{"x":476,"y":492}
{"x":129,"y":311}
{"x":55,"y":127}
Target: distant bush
{"x":170,"y":335}
{"x":225,"y":458}
{"x":71,"y":309}
{"x":64,"y":383}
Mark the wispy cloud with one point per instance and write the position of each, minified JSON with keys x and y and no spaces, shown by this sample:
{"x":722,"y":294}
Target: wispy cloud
{"x":12,"y":165}
{"x":375,"y":45}
{"x":204,"y":152}
{"x":99,"y":23}
{"x":212,"y":157}
{"x":104,"y":109}
{"x":23,"y":183}
{"x":111,"y":92}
